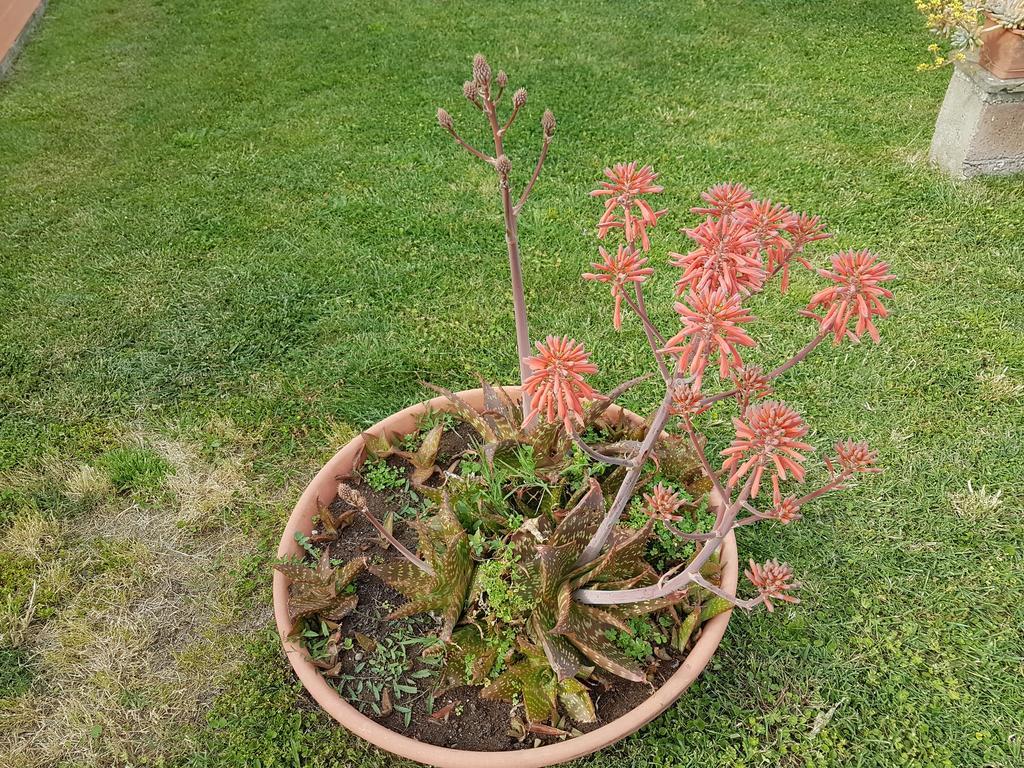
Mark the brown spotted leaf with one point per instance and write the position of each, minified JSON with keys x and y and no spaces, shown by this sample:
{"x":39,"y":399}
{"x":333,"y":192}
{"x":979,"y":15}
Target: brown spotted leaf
{"x":424,"y":458}
{"x":444,"y":544}
{"x":575,"y":700}
{"x":582,"y":521}
{"x":468,"y":652}
{"x":298,"y":573}
{"x":624,"y":559}
{"x":465,"y":412}
{"x":346,"y":574}
{"x":378,"y":446}
{"x":586,"y":629}
{"x":340,"y":607}
{"x":561,"y":655}
{"x":400,"y":575}
{"x":309,"y":599}
{"x":630,"y":610}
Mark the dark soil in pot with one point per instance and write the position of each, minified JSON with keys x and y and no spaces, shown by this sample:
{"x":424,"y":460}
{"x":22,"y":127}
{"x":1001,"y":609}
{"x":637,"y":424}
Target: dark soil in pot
{"x":387,"y":668}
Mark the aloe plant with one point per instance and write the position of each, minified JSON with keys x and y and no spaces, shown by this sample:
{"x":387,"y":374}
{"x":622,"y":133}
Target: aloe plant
{"x":321,"y":590}
{"x":525,"y":553}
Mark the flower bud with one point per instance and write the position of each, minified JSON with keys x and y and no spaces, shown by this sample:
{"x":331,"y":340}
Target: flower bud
{"x":444,"y":119}
{"x":469,"y":90}
{"x":519,"y":98}
{"x":548,"y":122}
{"x":502,"y":78}
{"x":481,"y":70}
{"x":503,"y":165}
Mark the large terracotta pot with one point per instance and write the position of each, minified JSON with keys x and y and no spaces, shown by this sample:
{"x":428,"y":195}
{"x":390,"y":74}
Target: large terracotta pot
{"x":1002,"y":51}
{"x":323,"y":489}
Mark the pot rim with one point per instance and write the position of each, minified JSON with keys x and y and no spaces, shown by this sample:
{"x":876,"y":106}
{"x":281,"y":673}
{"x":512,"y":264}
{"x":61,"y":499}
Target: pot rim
{"x":322,"y":490}
{"x":997,"y":27}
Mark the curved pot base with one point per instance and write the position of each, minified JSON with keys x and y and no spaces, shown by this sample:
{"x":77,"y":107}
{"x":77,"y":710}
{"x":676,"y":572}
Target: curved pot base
{"x":322,"y":490}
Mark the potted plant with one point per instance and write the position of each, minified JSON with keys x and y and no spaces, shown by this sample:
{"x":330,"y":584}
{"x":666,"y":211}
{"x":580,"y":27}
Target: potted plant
{"x":993,"y":28}
{"x":531,"y":571}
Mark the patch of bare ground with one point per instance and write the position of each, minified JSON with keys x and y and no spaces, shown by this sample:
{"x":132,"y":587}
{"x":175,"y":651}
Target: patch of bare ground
{"x":139,"y":628}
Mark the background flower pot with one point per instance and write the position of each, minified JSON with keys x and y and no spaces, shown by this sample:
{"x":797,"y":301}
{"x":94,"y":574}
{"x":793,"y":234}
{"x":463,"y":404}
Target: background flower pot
{"x":323,"y":489}
{"x":1002,"y":51}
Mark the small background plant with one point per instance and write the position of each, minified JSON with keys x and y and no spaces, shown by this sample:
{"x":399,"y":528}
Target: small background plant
{"x":960,"y":23}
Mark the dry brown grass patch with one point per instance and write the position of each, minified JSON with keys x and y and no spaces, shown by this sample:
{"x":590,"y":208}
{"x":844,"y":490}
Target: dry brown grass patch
{"x":146,"y":628}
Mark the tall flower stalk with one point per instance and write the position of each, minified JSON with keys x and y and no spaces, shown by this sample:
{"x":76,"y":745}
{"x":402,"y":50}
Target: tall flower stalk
{"x":740,"y":244}
{"x":485,"y":92}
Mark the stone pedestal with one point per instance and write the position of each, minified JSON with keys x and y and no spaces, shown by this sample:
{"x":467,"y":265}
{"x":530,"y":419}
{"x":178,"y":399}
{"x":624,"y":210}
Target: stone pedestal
{"x":980,"y":130}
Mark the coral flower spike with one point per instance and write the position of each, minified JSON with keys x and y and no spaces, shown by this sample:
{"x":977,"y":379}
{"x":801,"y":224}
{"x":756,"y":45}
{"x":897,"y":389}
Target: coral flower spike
{"x":726,"y":256}
{"x":662,"y":504}
{"x":857,"y":292}
{"x":627,"y":183}
{"x":711,"y":323}
{"x":768,"y":439}
{"x":802,"y":229}
{"x":618,"y":270}
{"x":556,"y":386}
{"x":773,"y":581}
{"x":766,"y":221}
{"x":723,"y":199}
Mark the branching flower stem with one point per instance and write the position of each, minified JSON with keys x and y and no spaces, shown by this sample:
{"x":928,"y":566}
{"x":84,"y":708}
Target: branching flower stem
{"x":723,"y":525}
{"x":698,"y":449}
{"x":747,"y":605}
{"x":390,"y":539}
{"x":484,"y":99}
{"x":536,"y":172}
{"x":512,"y":244}
{"x":625,"y":492}
{"x":835,"y":484}
{"x":655,"y":339}
{"x":603,"y":458}
{"x":469,"y":147}
{"x":797,"y":358}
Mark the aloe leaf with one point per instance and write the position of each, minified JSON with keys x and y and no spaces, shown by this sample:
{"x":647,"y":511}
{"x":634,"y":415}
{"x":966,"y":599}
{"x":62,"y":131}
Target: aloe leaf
{"x":378,"y":446}
{"x":539,"y":696}
{"x":411,"y":608}
{"x":424,"y":458}
{"x":340,"y":607}
{"x":555,"y":564}
{"x":401,"y":575}
{"x":579,"y":525}
{"x":344,"y":575}
{"x":298,"y":574}
{"x":714,"y":607}
{"x":503,"y":687}
{"x":561,"y":655}
{"x":505,"y":404}
{"x":586,"y":630}
{"x":446,"y":547}
{"x":630,"y":610}
{"x":624,"y":559}
{"x":309,"y":599}
{"x":680,"y":464}
{"x":575,"y":699}
{"x":505,"y":421}
{"x":466,"y":413}
{"x":469,"y":652}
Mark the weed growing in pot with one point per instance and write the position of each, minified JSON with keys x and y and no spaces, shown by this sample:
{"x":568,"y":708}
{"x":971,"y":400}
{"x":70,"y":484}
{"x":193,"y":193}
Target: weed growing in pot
{"x":564,"y":545}
{"x":381,"y":476}
{"x":392,"y":672}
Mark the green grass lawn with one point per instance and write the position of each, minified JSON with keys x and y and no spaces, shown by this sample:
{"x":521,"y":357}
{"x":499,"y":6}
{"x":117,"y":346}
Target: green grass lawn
{"x":232,"y":235}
